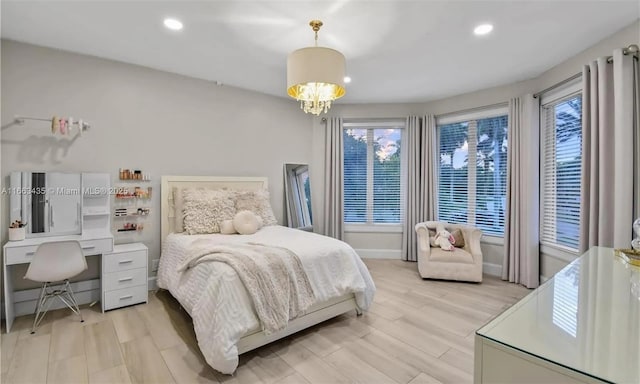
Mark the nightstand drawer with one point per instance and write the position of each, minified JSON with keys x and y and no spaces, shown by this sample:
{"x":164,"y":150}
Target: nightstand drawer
{"x":116,"y":262}
{"x":123,"y":297}
{"x":124,"y":279}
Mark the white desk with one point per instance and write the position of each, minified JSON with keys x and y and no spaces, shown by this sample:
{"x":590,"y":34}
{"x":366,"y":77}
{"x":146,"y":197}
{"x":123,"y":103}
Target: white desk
{"x":581,"y":326}
{"x":21,"y":252}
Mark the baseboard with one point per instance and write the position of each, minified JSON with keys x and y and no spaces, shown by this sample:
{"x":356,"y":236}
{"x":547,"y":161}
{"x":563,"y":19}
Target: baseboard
{"x":153,"y":283}
{"x":379,"y":253}
{"x":543,"y":279}
{"x":24,"y":302}
{"x":492,"y":269}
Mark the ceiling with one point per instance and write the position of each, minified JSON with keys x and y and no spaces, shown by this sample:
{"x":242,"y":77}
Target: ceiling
{"x":397,"y":51}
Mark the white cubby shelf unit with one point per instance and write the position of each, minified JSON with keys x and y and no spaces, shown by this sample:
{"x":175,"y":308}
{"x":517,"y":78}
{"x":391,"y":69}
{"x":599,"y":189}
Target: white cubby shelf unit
{"x":96,"y":202}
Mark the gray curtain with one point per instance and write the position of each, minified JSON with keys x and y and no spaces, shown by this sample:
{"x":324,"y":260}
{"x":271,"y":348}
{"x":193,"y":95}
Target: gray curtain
{"x":421,"y":194}
{"x":333,"y":179}
{"x":636,"y":180}
{"x":608,"y":120}
{"x":521,"y":263}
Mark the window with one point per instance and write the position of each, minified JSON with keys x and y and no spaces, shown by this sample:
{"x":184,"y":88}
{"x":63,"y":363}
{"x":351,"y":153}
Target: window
{"x":473,"y":170}
{"x":372,"y":173}
{"x":561,"y":157}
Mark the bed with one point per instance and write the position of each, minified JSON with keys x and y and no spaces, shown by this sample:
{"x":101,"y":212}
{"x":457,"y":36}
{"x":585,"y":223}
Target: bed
{"x":225,"y":320}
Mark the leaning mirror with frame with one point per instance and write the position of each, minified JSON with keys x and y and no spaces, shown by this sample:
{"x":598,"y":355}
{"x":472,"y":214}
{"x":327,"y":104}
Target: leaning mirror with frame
{"x":298,"y":196}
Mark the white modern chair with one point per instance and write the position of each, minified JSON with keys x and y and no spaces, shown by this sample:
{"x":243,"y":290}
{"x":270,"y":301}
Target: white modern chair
{"x":56,"y":261}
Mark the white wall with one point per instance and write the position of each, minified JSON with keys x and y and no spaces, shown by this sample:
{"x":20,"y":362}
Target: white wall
{"x":492,"y":253}
{"x":162,"y":123}
{"x":170,"y":124}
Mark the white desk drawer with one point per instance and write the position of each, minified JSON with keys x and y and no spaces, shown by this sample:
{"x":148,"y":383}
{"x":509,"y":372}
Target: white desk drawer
{"x":116,"y":262}
{"x":24,"y":255}
{"x":127,"y":296}
{"x":96,"y":247}
{"x":20,"y":255}
{"x":124,"y":279}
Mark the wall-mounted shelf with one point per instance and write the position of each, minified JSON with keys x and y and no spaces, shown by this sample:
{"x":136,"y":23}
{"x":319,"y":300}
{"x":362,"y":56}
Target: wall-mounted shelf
{"x":132,"y":212}
{"x":130,"y":227}
{"x":132,"y":203}
{"x":133,"y":175}
{"x":126,"y":193}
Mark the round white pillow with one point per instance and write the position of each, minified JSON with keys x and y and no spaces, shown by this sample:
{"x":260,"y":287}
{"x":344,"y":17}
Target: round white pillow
{"x":246,"y":223}
{"x":227,"y":228}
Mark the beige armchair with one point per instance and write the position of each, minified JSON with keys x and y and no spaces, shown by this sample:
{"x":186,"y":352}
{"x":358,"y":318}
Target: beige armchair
{"x":462,"y":264}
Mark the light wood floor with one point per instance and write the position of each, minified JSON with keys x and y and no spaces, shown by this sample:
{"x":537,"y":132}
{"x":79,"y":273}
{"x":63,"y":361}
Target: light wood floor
{"x":417,"y":331}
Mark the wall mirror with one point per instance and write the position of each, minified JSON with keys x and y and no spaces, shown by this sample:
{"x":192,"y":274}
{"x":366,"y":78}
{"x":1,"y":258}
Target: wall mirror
{"x":298,"y":196}
{"x":49,"y":202}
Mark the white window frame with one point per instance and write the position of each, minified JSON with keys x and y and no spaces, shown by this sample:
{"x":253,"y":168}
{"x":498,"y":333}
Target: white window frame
{"x":568,"y":90}
{"x":371,"y":227}
{"x":471,"y":117}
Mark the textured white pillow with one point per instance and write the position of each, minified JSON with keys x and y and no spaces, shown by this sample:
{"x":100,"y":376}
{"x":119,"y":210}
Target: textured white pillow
{"x":227,"y":228}
{"x":178,"y":210}
{"x":258,"y":203}
{"x":246,"y":223}
{"x":205,"y":209}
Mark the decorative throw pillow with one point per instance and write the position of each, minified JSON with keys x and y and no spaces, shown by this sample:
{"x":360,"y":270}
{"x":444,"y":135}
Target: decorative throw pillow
{"x":246,"y":223}
{"x":258,"y":203}
{"x":205,"y":209}
{"x":178,"y":210}
{"x":227,"y":228}
{"x":459,"y":238}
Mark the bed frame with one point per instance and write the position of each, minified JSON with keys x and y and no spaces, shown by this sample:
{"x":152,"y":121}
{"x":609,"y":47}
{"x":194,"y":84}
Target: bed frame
{"x":252,"y":340}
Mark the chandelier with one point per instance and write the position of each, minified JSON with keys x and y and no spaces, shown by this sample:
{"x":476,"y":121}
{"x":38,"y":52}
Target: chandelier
{"x":315,"y":75}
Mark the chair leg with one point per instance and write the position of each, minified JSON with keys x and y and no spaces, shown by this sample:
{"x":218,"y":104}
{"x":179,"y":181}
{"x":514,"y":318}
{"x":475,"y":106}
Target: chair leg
{"x":65,"y":295}
{"x":41,"y":301}
{"x":73,"y":300}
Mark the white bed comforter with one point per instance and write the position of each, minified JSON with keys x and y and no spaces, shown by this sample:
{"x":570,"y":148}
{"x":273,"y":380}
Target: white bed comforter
{"x":215,"y":297}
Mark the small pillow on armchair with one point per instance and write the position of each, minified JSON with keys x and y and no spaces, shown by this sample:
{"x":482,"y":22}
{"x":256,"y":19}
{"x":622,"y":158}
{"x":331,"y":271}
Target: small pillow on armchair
{"x":459,"y":238}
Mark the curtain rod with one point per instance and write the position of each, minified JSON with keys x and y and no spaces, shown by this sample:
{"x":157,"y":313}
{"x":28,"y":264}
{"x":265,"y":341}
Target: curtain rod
{"x":469,"y":110}
{"x":556,"y":85}
{"x":367,"y":120}
{"x":630,"y":50}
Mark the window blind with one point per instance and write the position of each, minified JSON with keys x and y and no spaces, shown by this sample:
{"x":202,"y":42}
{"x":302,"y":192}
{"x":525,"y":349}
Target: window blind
{"x":491,"y":175}
{"x":562,"y":156}
{"x":453,"y":191}
{"x":372,"y":175}
{"x":355,"y":175}
{"x":473,"y":172}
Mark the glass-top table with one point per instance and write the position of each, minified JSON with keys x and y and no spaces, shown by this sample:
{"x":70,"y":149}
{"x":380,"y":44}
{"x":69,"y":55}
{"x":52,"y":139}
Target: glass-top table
{"x":584,"y":321}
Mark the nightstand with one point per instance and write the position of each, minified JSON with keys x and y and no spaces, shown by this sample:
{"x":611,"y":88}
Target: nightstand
{"x":124,"y":276}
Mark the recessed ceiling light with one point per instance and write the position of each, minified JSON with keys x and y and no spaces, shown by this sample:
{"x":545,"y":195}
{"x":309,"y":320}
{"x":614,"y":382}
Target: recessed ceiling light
{"x":483,"y":29}
{"x":347,"y":79}
{"x":173,"y":24}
